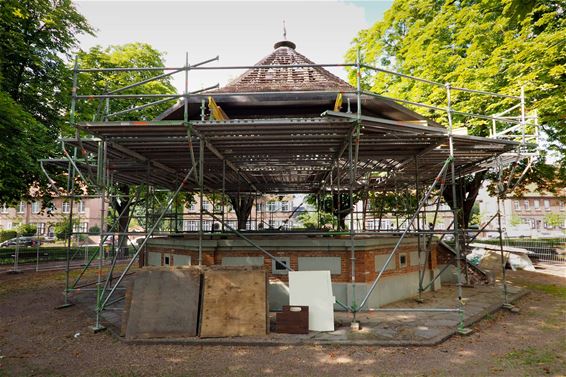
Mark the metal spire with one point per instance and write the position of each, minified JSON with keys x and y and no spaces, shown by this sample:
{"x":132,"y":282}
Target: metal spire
{"x":284,"y":31}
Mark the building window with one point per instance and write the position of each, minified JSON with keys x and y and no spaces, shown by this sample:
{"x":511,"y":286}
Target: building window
{"x":35,"y":207}
{"x":190,"y":225}
{"x":271,"y":206}
{"x":546,"y":204}
{"x":83,"y":227}
{"x":517,"y":205}
{"x":193,"y":208}
{"x":285,"y":206}
{"x":527,"y":205}
{"x":205,"y":205}
{"x":280,"y":268}
{"x":562,"y":206}
{"x":21,"y":207}
{"x":66,"y":207}
{"x":40,"y":228}
{"x":4,"y":208}
{"x":261,"y":207}
{"x":536,"y":204}
{"x":402,"y":260}
{"x":207,"y":225}
{"x":218,"y":208}
{"x":232,"y":224}
{"x":81,"y":206}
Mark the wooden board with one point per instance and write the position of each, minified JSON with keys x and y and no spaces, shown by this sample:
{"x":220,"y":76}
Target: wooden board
{"x":234,"y":302}
{"x":163,"y":302}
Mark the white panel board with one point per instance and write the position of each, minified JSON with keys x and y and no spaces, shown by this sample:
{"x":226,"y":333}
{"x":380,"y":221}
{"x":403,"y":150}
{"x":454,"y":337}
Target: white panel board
{"x":313,"y":289}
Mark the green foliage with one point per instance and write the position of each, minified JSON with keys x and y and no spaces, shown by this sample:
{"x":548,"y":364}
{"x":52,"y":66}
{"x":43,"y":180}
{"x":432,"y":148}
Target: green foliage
{"x":310,"y":220}
{"x":333,"y":209}
{"x":555,"y":219}
{"x":23,"y":141}
{"x":128,"y":56}
{"x":95,"y":229}
{"x":36,"y":36}
{"x":495,"y":46}
{"x":515,"y":220}
{"x":7,"y":235}
{"x":27,"y":230}
{"x":64,"y":228}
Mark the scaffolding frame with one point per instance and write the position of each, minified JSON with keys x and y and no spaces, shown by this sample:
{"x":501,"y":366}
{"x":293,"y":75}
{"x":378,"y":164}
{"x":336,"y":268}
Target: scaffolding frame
{"x":446,"y":153}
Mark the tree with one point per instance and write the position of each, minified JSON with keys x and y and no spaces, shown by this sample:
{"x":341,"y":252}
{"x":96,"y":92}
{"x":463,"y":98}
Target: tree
{"x":333,"y":208}
{"x":126,"y":56}
{"x":495,"y":46}
{"x":129,"y":55}
{"x":27,"y":230}
{"x":36,"y":38}
{"x":23,"y":141}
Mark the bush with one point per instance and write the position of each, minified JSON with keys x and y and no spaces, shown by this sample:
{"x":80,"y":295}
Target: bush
{"x":7,"y":235}
{"x":63,"y":229}
{"x":27,"y":230}
{"x":95,"y":229}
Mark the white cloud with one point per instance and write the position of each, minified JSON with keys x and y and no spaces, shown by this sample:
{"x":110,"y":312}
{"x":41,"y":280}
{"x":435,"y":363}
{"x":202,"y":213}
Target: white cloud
{"x":240,"y":32}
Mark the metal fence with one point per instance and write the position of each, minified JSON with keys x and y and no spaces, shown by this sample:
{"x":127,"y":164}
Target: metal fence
{"x":51,"y":258}
{"x":544,"y":250}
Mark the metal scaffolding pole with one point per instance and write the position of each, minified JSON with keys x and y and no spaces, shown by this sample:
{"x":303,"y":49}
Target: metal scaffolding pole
{"x":461,"y":328}
{"x":405,"y":232}
{"x":150,"y":233}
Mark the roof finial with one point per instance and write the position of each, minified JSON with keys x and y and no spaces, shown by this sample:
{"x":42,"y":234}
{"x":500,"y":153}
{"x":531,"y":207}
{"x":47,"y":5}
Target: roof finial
{"x":284,"y":31}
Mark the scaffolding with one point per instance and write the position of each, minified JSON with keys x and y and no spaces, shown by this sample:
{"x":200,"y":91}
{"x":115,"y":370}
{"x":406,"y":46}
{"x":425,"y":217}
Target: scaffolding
{"x":338,"y":153}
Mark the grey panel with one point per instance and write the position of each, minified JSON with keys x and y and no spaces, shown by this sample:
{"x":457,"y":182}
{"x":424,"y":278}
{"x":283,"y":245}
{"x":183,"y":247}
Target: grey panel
{"x":163,"y":303}
{"x":332,"y":264}
{"x":242,"y":261}
{"x":181,"y":260}
{"x":380,"y":261}
{"x":153,"y":259}
{"x":414,"y":257}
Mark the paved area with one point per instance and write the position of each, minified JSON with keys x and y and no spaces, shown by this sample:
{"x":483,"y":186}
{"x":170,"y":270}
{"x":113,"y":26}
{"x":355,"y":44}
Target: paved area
{"x":391,"y":328}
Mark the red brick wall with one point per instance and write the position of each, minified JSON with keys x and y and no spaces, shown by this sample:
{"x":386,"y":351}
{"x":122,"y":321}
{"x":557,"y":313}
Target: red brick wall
{"x":365,"y":260}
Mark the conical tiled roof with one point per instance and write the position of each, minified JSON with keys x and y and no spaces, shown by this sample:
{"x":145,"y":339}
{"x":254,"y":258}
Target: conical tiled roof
{"x":279,"y":79}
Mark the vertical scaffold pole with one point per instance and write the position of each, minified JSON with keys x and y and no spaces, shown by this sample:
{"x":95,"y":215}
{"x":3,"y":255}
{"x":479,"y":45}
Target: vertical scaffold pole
{"x":201,"y":198}
{"x":461,"y":328}
{"x":102,"y":184}
{"x":503,"y":272}
{"x":422,"y":267}
{"x":70,"y":187}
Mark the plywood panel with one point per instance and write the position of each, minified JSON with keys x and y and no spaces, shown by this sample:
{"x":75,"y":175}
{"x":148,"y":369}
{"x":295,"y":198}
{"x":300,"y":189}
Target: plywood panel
{"x":234,"y":302}
{"x":163,"y":302}
{"x":313,"y":289}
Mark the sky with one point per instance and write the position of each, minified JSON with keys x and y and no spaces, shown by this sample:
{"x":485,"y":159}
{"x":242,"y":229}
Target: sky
{"x":240,"y":32}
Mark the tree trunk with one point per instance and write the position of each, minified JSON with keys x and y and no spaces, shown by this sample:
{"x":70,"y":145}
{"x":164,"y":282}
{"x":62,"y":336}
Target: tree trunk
{"x":122,"y":206}
{"x":467,"y":191}
{"x":243,"y":207}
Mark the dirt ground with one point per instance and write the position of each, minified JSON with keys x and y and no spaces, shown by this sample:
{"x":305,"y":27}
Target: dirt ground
{"x":36,"y":340}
